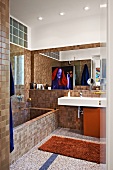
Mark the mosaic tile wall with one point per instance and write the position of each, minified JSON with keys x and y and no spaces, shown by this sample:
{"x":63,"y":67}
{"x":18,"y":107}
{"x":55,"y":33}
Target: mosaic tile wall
{"x":20,"y":116}
{"x":27,"y":73}
{"x":4,"y":84}
{"x":43,"y":69}
{"x":85,"y":93}
{"x":75,"y":47}
{"x":23,"y":115}
{"x":49,"y":99}
{"x":27,"y":135}
{"x":45,"y":98}
{"x":68,"y":118}
{"x":19,"y":89}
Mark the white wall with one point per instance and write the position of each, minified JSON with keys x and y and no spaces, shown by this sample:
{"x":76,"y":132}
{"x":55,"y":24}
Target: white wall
{"x":109,"y":112}
{"x":81,"y":54}
{"x":72,"y":32}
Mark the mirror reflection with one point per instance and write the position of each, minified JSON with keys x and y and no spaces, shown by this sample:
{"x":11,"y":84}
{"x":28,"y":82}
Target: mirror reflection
{"x":90,"y":57}
{"x":17,"y":62}
{"x":75,"y":58}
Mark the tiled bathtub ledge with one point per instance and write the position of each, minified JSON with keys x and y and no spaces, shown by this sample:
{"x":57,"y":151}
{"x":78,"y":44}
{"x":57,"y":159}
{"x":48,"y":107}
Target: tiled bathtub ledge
{"x":29,"y":134}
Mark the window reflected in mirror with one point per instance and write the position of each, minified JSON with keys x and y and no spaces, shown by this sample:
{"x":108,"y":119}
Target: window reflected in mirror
{"x":19,"y":70}
{"x":17,"y":65}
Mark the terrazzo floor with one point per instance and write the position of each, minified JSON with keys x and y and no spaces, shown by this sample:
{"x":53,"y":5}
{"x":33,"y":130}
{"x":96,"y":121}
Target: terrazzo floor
{"x":39,"y":160}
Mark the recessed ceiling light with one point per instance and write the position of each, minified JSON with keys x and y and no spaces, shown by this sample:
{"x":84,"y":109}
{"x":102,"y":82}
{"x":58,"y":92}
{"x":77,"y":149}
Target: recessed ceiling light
{"x":40,"y":18}
{"x":86,"y":8}
{"x":62,"y":13}
{"x":103,"y":5}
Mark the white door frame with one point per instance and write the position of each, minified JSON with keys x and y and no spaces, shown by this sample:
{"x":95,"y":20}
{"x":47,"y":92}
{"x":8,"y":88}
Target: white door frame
{"x":109,"y":111}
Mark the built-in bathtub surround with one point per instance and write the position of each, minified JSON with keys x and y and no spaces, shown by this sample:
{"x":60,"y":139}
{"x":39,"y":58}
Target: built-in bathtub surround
{"x":23,"y":114}
{"x":29,"y":134}
{"x":4,"y":85}
{"x":20,"y":116}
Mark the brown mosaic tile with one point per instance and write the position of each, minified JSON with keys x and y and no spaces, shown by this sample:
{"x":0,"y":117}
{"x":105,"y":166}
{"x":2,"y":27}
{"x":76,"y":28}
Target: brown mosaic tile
{"x":42,"y":69}
{"x":4,"y":85}
{"x":68,"y":114}
{"x":75,"y":47}
{"x":27,"y":73}
{"x":29,"y":134}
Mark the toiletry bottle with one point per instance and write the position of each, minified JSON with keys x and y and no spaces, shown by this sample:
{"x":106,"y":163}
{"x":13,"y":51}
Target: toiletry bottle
{"x":69,"y":93}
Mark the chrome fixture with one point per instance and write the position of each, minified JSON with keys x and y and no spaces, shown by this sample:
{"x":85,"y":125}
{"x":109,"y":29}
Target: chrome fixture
{"x":103,"y":83}
{"x":80,"y":111}
{"x":19,"y":97}
{"x":28,"y":103}
{"x":91,"y":82}
{"x":80,"y":94}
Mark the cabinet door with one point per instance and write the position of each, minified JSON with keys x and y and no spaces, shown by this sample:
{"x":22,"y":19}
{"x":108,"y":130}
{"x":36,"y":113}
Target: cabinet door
{"x":92,"y":122}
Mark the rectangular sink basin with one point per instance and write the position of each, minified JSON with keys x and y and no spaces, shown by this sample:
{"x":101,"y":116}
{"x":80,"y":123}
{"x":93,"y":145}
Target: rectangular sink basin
{"x":83,"y":101}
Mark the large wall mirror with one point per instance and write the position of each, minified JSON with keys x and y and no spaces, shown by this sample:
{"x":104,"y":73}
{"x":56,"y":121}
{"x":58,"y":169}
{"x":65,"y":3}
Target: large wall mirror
{"x":17,"y":63}
{"x":79,"y":58}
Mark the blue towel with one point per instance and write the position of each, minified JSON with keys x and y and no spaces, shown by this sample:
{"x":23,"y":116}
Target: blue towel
{"x":85,"y":76}
{"x":12,"y":91}
{"x":11,"y":118}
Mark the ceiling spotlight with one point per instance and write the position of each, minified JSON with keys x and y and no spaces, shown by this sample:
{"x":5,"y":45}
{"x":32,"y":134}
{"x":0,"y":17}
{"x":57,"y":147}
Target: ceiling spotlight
{"x":62,"y":13}
{"x":86,"y":8}
{"x":103,"y":5}
{"x":40,"y":18}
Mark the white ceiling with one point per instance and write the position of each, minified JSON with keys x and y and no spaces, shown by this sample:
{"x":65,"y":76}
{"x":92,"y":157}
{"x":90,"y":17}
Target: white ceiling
{"x":27,"y":11}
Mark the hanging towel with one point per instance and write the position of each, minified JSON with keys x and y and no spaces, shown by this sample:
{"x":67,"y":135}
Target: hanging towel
{"x":11,"y":118}
{"x":85,"y":76}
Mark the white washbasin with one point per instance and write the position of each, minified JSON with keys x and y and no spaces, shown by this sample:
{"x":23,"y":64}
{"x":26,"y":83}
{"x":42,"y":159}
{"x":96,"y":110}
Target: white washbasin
{"x":83,"y":101}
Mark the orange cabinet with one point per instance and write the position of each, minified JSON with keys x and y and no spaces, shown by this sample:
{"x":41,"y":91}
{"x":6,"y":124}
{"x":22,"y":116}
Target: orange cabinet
{"x":94,"y":122}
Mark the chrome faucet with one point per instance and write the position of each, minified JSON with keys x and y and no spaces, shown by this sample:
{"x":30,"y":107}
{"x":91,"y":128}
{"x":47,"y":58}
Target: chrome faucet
{"x":80,"y":94}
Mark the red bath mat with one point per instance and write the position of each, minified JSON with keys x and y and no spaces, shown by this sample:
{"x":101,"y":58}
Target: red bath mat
{"x":76,"y":148}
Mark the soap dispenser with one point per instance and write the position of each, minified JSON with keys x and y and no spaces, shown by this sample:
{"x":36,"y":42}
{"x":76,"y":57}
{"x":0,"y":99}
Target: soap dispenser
{"x":69,"y":93}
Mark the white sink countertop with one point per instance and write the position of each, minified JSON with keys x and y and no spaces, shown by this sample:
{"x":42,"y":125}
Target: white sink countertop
{"x":83,"y":101}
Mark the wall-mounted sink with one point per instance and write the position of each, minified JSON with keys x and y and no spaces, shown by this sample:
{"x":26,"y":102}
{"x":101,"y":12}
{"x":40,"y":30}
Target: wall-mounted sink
{"x":83,"y":101}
